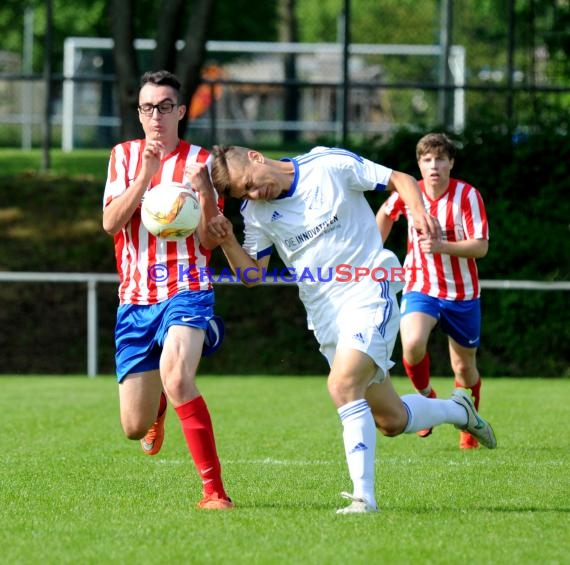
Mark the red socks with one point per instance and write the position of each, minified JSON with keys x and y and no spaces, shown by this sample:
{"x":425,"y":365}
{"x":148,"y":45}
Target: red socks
{"x":199,"y":434}
{"x":475,"y":392}
{"x":418,"y":374}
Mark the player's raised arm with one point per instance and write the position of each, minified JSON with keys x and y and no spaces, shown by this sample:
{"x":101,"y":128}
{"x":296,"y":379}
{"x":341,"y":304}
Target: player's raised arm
{"x":199,"y":178}
{"x":120,"y":210}
{"x":407,"y":187}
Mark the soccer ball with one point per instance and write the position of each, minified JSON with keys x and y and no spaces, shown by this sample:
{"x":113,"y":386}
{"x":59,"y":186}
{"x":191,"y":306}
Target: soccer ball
{"x":170,"y":211}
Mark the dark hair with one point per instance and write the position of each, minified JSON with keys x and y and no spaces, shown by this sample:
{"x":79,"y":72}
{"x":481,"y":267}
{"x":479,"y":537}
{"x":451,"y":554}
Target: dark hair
{"x":437,"y":143}
{"x":161,"y":78}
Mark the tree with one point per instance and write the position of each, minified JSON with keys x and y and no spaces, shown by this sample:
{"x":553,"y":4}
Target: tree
{"x":186,"y":63}
{"x":194,"y":22}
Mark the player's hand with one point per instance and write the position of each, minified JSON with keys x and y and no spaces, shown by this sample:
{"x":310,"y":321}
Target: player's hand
{"x":429,"y":245}
{"x":220,"y":228}
{"x":154,"y":151}
{"x":198,"y":176}
{"x":427,"y":226}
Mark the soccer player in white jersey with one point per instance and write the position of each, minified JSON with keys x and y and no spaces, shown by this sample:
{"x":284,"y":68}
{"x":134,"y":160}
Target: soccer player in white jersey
{"x":165,"y":319}
{"x":442,"y":285}
{"x":313,"y":211}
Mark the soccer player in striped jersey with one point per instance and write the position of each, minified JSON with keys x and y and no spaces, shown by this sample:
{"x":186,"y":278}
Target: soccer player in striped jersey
{"x":442,"y":286}
{"x":312,"y":210}
{"x":165,"y":318}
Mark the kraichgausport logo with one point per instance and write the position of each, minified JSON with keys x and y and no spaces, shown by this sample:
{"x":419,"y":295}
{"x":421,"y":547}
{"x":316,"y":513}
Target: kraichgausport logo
{"x":343,"y":273}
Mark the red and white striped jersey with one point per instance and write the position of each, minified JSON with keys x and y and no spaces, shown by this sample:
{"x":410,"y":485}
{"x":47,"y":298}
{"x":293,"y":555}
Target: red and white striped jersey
{"x":152,"y":269}
{"x":461,"y":214}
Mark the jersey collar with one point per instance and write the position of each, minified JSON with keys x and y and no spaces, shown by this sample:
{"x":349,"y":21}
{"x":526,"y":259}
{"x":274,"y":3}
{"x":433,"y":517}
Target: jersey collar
{"x":293,"y":186}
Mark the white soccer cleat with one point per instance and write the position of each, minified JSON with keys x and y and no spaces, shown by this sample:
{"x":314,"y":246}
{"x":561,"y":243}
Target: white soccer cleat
{"x":357,"y":506}
{"x":479,"y":428}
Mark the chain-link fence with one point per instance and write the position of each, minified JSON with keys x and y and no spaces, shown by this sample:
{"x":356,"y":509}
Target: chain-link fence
{"x":427,"y":63}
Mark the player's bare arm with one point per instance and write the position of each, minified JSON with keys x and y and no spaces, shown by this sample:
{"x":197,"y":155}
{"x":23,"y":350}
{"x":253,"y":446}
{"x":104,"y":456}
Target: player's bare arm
{"x":120,"y":210}
{"x":408,"y":188}
{"x":199,"y":178}
{"x":468,"y":249}
{"x":250,"y":270}
{"x":384,"y":222}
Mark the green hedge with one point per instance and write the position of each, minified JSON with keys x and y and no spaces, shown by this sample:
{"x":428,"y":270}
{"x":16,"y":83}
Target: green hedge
{"x":52,"y":223}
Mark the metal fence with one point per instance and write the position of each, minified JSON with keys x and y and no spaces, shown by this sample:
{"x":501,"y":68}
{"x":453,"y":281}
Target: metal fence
{"x":422,"y":63}
{"x":93,"y":280}
{"x":245,"y":89}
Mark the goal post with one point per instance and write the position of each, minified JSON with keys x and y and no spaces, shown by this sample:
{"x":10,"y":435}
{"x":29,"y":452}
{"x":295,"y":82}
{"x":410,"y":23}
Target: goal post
{"x":77,"y":48}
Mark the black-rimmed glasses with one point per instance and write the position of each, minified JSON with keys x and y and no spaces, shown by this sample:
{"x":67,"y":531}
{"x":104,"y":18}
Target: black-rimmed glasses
{"x":163,"y":108}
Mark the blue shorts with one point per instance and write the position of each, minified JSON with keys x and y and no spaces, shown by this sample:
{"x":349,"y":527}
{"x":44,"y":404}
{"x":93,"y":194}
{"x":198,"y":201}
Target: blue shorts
{"x":141,"y":329}
{"x":459,"y":319}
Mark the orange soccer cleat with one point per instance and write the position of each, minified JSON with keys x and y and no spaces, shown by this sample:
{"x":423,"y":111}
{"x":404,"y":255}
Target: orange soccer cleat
{"x":215,"y":502}
{"x":467,"y":441}
{"x":152,"y":441}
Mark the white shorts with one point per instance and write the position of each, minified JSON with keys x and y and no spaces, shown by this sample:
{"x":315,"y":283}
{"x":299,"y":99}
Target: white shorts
{"x":371,"y":328}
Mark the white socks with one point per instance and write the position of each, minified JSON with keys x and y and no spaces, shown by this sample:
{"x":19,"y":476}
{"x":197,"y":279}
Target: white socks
{"x":429,"y":412}
{"x":359,"y":435}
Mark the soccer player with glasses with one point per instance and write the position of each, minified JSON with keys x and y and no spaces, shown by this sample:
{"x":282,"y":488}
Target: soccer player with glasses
{"x":164,"y":325}
{"x":166,"y":107}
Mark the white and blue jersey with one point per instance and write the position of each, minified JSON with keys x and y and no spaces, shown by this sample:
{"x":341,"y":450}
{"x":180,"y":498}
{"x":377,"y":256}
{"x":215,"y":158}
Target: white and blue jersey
{"x":324,"y":230}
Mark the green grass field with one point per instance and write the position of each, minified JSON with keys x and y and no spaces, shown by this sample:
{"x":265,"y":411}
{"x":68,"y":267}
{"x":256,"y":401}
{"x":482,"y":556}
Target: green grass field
{"x":74,"y":490}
